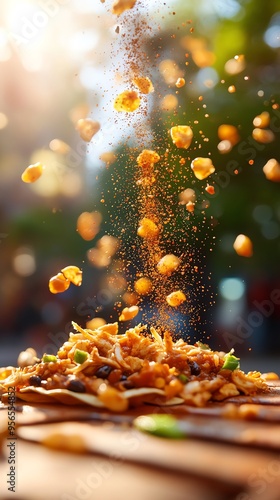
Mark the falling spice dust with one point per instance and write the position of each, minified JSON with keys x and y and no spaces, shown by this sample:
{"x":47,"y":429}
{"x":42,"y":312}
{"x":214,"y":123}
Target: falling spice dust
{"x":166,"y":230}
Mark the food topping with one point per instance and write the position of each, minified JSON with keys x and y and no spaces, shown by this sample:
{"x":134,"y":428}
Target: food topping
{"x":202,"y":168}
{"x":129,"y":313}
{"x":144,"y":84}
{"x":59,"y":283}
{"x":210,"y":189}
{"x":32,"y":173}
{"x":231,"y":362}
{"x":264,"y":136}
{"x":180,"y":82}
{"x":127,"y":101}
{"x":148,"y":229}
{"x":49,"y":358}
{"x":262,"y":120}
{"x":87,"y":128}
{"x":80,"y":356}
{"x":147,"y":158}
{"x":168,"y":264}
{"x":88,"y":225}
{"x":229,"y":133}
{"x":119,"y":6}
{"x":181,"y":136}
{"x":159,"y":425}
{"x":143,"y":286}
{"x":73,"y":274}
{"x":243,"y":246}
{"x":27,"y":357}
{"x":176,"y":298}
{"x":272,"y":170}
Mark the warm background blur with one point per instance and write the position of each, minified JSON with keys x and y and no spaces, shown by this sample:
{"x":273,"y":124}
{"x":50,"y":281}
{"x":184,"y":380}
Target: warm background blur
{"x":63,"y":60}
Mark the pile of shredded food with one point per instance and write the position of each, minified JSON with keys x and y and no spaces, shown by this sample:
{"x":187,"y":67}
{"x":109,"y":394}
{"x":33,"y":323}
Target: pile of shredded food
{"x":117,"y":371}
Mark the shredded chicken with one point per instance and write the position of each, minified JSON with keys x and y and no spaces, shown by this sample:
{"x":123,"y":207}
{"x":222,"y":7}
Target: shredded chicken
{"x":138,"y":364}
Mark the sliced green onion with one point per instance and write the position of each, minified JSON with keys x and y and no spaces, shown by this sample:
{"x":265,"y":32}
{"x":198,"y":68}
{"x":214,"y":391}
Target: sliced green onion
{"x":202,"y":346}
{"x":230,"y":362}
{"x":159,"y":425}
{"x":183,"y":378}
{"x":80,"y":356}
{"x":49,"y":358}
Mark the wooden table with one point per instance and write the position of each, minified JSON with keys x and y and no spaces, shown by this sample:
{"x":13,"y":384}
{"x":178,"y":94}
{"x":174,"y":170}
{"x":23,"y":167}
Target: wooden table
{"x":59,"y":457}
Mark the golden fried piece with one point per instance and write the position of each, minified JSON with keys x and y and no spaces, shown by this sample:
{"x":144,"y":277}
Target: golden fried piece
{"x":73,"y":274}
{"x":143,"y":286}
{"x":168,"y":264}
{"x":148,"y":229}
{"x":262,"y":120}
{"x":229,"y":133}
{"x":59,"y":283}
{"x":147,"y":158}
{"x":128,"y":101}
{"x":202,"y":167}
{"x":264,"y":136}
{"x":144,"y":84}
{"x":119,"y":6}
{"x":243,"y":246}
{"x":87,"y":128}
{"x":272,"y":170}
{"x":181,"y":136}
{"x":129,"y":313}
{"x":176,"y":298}
{"x":32,"y":173}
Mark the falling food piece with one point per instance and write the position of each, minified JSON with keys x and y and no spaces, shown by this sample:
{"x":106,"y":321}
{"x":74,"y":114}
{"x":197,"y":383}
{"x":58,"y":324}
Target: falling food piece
{"x":32,"y":173}
{"x":229,"y":133}
{"x":129,"y":313}
{"x":79,"y":111}
{"x":190,"y":206}
{"x":186,"y":196}
{"x":224,"y":146}
{"x":108,"y":157}
{"x":175,"y":299}
{"x":202,"y":167}
{"x":27,"y":357}
{"x":180,"y":82}
{"x":88,"y":225}
{"x":262,"y":120}
{"x":231,"y":89}
{"x":264,"y":136}
{"x":235,"y":65}
{"x":181,"y":136}
{"x":147,"y":229}
{"x":130,"y":298}
{"x":143,"y":286}
{"x":108,"y":244}
{"x":74,"y":274}
{"x":144,"y":84}
{"x":169,"y":103}
{"x":59,"y":283}
{"x":147,"y":158}
{"x":127,"y":101}
{"x":243,"y":246}
{"x":98,"y":258}
{"x":59,"y":146}
{"x":119,"y":6}
{"x":272,"y":170}
{"x":168,"y":264}
{"x":170,"y":71}
{"x":95,"y":323}
{"x":210,"y":189}
{"x":87,"y":128}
